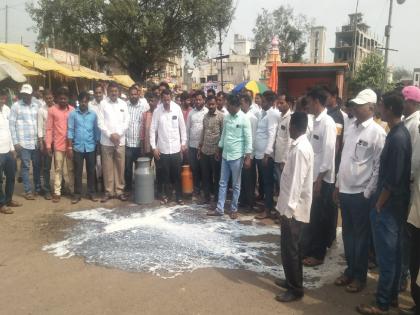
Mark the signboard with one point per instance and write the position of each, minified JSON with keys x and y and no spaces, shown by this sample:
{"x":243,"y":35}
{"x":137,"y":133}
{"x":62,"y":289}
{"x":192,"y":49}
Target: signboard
{"x":63,"y":57}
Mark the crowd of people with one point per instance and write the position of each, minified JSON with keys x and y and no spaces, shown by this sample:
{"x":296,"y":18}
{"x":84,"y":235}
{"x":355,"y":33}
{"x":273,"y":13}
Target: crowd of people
{"x":301,"y":160}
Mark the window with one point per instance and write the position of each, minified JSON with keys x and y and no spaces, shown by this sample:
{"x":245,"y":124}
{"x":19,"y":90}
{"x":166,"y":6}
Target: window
{"x":417,"y":77}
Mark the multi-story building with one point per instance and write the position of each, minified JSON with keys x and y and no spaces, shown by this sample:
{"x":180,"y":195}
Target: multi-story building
{"x":317,"y":44}
{"x":354,"y":42}
{"x":416,"y":77}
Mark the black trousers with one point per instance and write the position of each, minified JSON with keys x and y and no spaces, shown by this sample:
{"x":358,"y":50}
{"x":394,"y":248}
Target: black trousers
{"x":78,"y":161}
{"x":415,"y":265}
{"x":247,"y":196}
{"x":8,"y":168}
{"x":210,"y":175}
{"x":131,"y":156}
{"x":317,"y":235}
{"x":170,"y":173}
{"x":291,"y":253}
{"x":195,"y":168}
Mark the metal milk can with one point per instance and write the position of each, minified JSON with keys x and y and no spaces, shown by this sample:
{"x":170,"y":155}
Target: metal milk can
{"x":144,"y":187}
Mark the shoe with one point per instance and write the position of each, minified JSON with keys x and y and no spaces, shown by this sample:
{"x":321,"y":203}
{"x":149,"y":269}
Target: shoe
{"x":5,"y":210}
{"x":56,"y":198}
{"x":214,"y":213}
{"x":75,"y":200}
{"x":282,"y":283}
{"x":47,"y":196}
{"x":408,"y":311}
{"x":123,"y":197}
{"x":14,"y":204}
{"x":92,"y":198}
{"x":288,"y":296}
{"x":233,"y":215}
{"x":105,"y":198}
{"x":29,"y":196}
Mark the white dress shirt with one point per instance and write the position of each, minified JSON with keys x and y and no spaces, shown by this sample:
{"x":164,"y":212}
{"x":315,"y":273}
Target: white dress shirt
{"x":253,"y":120}
{"x":359,"y":167}
{"x":169,"y":128}
{"x":195,"y":126}
{"x":412,"y":123}
{"x":283,"y":141}
{"x":255,"y":109}
{"x":266,"y":130}
{"x":323,"y":140}
{"x":113,"y":118}
{"x":94,"y":106}
{"x":296,"y":182}
{"x":310,"y":128}
{"x":6,"y":143}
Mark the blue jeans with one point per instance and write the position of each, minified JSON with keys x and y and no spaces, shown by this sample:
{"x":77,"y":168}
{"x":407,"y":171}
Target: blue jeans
{"x":355,"y":210}
{"x":27,"y":156}
{"x":387,"y":228}
{"x":8,"y":168}
{"x":229,"y":168}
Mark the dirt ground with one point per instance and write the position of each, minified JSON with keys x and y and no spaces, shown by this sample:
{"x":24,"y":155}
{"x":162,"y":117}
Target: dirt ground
{"x":35,"y":282}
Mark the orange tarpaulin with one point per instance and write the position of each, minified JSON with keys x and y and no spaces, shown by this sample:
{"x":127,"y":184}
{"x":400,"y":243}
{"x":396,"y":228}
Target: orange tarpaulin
{"x":273,"y":83}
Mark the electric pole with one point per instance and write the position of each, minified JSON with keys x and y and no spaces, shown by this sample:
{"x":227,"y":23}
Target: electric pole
{"x":221,"y":59}
{"x":6,"y":21}
{"x":387,"y":42}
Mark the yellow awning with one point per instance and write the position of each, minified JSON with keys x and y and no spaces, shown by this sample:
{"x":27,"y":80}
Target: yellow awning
{"x":123,"y":79}
{"x":27,"y":58}
{"x":25,"y":71}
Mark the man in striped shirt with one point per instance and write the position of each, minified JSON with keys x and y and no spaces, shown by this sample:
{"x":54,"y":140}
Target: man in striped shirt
{"x":24,"y":130}
{"x":136,"y":108}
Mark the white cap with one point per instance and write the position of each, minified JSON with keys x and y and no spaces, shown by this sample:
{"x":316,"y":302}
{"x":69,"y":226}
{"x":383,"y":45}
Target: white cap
{"x":90,"y":92}
{"x":123,"y":96}
{"x":364,"y":97}
{"x":26,"y":89}
{"x":41,"y":88}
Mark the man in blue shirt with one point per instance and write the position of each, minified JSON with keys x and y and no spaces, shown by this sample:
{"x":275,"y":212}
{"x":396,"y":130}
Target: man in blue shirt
{"x":391,"y":209}
{"x":83,"y":135}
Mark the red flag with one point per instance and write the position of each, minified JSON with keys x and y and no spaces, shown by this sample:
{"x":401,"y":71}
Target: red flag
{"x":273,"y":82}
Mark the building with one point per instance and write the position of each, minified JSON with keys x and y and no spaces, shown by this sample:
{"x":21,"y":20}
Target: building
{"x":354,"y":42}
{"x":242,"y":64}
{"x":416,"y":77}
{"x":317,"y":44}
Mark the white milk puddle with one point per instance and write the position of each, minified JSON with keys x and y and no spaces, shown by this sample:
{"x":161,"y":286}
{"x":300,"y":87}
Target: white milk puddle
{"x":170,"y":241}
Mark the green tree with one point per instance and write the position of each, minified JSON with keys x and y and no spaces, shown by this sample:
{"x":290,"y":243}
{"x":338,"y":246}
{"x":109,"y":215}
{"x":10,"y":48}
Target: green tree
{"x":292,"y":30}
{"x":139,"y":34}
{"x":370,"y":74}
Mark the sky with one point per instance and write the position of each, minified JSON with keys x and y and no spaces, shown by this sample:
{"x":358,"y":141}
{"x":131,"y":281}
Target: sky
{"x":329,"y":13}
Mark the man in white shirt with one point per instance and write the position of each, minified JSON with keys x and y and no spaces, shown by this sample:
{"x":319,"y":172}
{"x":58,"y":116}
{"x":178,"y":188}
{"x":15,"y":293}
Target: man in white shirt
{"x":266,"y":128}
{"x":113,"y":122}
{"x":7,"y":158}
{"x":412,"y":123}
{"x":356,"y":183}
{"x":323,"y":140}
{"x":168,"y":139}
{"x":133,"y":145}
{"x":97,"y":99}
{"x":221,"y":102}
{"x":281,"y":140}
{"x":294,"y":206}
{"x":194,"y":130}
{"x":249,"y":175}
